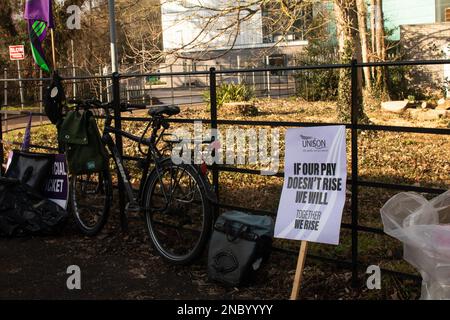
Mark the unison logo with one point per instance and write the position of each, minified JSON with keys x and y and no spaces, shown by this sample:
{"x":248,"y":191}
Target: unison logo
{"x":311,"y":142}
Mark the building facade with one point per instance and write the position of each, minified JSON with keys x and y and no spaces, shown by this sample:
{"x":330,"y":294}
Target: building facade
{"x":428,"y":42}
{"x":202,"y":34}
{"x":414,"y":12}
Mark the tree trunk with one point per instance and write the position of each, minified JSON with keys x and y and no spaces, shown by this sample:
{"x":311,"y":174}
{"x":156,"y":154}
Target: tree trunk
{"x":6,"y":19}
{"x":372,"y":35}
{"x":372,"y":25}
{"x":349,"y":48}
{"x":362,"y":27}
{"x":380,"y":47}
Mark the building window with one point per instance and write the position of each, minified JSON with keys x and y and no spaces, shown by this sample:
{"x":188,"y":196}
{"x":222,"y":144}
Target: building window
{"x":276,"y":60}
{"x":447,"y":14}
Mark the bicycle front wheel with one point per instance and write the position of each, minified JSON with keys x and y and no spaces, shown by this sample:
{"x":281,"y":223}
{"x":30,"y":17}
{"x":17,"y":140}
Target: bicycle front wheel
{"x":178,"y":213}
{"x":90,"y":200}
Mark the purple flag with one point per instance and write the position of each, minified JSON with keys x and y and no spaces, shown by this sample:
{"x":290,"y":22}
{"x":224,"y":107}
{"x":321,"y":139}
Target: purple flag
{"x":39,"y":15}
{"x":40,"y":10}
{"x":27,"y":137}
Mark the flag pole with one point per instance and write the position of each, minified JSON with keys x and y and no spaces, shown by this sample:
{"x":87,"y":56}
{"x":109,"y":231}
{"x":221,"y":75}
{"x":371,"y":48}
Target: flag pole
{"x":113,"y":40}
{"x":52,"y":35}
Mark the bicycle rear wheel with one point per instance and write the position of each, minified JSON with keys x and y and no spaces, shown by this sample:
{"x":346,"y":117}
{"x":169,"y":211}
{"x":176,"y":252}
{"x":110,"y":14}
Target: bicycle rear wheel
{"x":90,"y":200}
{"x":177,"y":212}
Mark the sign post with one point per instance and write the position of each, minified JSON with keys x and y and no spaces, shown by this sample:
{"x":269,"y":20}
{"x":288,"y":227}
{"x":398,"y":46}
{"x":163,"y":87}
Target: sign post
{"x":17,"y":53}
{"x":313,"y":196}
{"x":299,"y":270}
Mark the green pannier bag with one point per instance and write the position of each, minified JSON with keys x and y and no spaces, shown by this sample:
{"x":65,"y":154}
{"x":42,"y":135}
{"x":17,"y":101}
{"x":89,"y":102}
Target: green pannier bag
{"x":83,"y":143}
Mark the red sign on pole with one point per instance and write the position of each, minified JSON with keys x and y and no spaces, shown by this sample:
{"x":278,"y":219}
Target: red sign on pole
{"x":17,"y":52}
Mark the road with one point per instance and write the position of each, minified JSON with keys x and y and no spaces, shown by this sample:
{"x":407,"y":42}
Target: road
{"x":167,"y":96}
{"x":14,"y":122}
{"x":178,"y":96}
{"x":194,"y":95}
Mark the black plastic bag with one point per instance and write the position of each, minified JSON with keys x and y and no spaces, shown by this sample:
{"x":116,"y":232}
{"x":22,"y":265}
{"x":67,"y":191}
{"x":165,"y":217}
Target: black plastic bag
{"x":30,"y":168}
{"x":23,"y":211}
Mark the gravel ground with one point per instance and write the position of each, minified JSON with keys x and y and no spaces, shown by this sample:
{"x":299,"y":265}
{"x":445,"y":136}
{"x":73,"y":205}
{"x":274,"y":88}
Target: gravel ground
{"x":118,"y":265}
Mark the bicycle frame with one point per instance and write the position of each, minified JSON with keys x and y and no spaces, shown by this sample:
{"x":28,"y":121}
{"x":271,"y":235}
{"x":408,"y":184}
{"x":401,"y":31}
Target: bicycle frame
{"x":153,"y":155}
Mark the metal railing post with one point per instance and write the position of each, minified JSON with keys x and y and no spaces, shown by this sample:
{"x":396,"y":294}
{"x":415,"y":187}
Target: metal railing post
{"x":150,"y":95}
{"x":127,"y":90}
{"x":1,"y":140}
{"x":213,"y":104}
{"x":171,"y":85}
{"x":41,"y":96}
{"x":19,"y":75}
{"x":119,"y":144}
{"x":354,"y":156}
{"x":101,"y":83}
{"x":190,"y":88}
{"x":5,"y":87}
{"x":267,"y":77}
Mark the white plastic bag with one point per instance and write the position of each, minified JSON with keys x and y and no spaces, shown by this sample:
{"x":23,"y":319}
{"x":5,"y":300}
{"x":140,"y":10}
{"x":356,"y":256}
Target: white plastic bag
{"x":424,"y":228}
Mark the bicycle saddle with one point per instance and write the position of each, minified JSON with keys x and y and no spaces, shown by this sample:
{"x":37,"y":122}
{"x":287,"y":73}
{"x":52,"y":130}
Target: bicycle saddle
{"x":167,"y":110}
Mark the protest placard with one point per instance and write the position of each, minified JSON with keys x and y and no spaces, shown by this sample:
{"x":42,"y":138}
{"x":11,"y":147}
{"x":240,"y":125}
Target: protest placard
{"x":313,"y":195}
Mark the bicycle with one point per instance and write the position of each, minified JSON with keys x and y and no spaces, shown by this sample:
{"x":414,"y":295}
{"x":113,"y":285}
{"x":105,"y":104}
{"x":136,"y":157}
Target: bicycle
{"x":176,"y":198}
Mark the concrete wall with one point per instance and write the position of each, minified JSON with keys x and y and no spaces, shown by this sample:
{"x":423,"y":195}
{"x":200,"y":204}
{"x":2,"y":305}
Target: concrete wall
{"x":428,"y":42}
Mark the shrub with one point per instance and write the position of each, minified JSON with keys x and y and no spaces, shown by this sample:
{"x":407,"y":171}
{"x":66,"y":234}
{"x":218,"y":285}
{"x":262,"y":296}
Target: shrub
{"x":317,"y":85}
{"x":417,"y":81}
{"x":322,"y":84}
{"x":248,"y":110}
{"x":399,"y":84}
{"x":230,"y":92}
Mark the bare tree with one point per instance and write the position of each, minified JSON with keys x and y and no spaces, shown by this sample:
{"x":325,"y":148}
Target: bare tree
{"x":372,"y":25}
{"x":362,"y":28}
{"x":380,"y":47}
{"x":6,"y":22}
{"x":8,"y":30}
{"x":134,"y":20}
{"x":349,"y":49}
{"x":217,"y":25}
{"x":141,"y":28}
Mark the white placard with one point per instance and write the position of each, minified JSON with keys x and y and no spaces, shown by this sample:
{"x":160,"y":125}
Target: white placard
{"x":313,"y":195}
{"x":16,"y":52}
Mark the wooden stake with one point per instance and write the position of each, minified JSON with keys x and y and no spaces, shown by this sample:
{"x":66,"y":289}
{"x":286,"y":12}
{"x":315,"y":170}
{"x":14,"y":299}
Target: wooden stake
{"x":53,"y":49}
{"x":299,"y":271}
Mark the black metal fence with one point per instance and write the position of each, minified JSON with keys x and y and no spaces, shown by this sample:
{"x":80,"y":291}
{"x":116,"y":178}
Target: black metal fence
{"x":265,"y":86}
